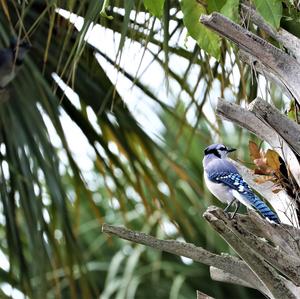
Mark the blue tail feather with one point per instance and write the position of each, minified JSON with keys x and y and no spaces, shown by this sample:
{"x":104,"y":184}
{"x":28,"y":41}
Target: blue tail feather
{"x":261,"y":207}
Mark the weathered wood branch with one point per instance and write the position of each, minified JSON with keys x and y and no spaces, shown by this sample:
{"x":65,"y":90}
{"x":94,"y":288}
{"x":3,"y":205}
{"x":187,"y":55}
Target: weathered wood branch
{"x":201,"y":295}
{"x":285,"y":237}
{"x":219,"y":275}
{"x":288,"y":40}
{"x":286,"y":128}
{"x":285,"y":67}
{"x":239,"y":240}
{"x":198,"y":254}
{"x":226,"y":263}
{"x":287,"y":264}
{"x":262,"y":258}
{"x":248,"y":120}
{"x":257,"y":66}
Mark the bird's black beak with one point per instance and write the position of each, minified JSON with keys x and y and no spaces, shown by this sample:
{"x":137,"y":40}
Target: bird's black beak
{"x":231,"y":149}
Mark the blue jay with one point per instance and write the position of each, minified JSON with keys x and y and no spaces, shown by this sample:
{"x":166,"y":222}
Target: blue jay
{"x":225,"y":183}
{"x":10,"y":61}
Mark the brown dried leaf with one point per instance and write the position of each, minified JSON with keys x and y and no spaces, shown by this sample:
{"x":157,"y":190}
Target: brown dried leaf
{"x":273,"y":160}
{"x":263,"y":178}
{"x":261,"y":162}
{"x":260,"y":171}
{"x":276,"y":190}
{"x":254,"y":150}
{"x":262,"y":167}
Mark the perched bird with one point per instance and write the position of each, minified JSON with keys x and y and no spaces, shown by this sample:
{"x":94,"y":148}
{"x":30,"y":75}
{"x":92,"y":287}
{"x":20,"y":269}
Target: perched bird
{"x":10,"y":61}
{"x":224,"y":182}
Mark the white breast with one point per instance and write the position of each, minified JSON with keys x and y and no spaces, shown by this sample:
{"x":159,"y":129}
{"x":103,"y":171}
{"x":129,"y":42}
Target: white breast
{"x":220,"y":191}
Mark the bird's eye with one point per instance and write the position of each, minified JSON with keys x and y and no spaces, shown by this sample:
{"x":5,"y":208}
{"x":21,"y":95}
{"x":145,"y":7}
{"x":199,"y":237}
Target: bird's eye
{"x":222,"y":148}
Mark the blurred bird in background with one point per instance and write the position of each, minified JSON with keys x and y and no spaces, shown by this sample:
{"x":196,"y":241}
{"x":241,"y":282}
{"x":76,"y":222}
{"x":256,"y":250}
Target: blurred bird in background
{"x":11,"y":59}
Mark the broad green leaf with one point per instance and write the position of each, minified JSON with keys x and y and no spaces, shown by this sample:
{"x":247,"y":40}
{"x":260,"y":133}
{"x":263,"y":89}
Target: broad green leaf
{"x":206,"y":39}
{"x":270,"y":10}
{"x":231,"y":10}
{"x":155,"y":7}
{"x":215,"y":5}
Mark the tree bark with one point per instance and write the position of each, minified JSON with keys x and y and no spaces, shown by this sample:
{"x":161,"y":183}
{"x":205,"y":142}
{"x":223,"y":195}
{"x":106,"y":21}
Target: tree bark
{"x":229,"y":268}
{"x":245,"y":118}
{"x":282,"y":65}
{"x":289,"y":41}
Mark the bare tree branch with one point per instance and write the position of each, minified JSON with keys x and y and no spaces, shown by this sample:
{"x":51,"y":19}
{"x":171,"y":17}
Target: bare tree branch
{"x":282,"y":236}
{"x":238,"y":239}
{"x":287,"y":264}
{"x":289,"y":41}
{"x":282,"y":65}
{"x":264,"y":70}
{"x":286,"y":128}
{"x":239,"y":233}
{"x":248,"y":120}
{"x":219,"y":275}
{"x":224,"y":262}
{"x":201,"y":295}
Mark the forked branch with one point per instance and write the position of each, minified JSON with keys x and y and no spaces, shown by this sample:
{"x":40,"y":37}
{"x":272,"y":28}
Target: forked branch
{"x":253,"y":250}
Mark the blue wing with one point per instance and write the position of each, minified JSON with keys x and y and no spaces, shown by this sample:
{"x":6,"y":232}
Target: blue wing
{"x":225,"y":173}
